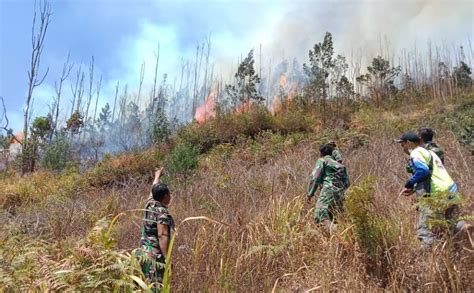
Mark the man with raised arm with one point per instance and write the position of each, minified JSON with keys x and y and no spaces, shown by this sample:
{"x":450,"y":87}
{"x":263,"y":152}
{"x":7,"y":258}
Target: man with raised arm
{"x":156,"y":231}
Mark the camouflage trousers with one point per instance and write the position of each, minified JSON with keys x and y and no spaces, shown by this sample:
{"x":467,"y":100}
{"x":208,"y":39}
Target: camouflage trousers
{"x":426,"y":234}
{"x":329,"y":204}
{"x":153,"y":265}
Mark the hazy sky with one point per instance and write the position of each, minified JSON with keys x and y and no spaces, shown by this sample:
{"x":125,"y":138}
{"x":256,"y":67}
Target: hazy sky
{"x":123,"y":34}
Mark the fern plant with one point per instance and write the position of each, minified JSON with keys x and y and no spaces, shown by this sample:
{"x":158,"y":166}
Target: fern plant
{"x":374,"y":234}
{"x":97,"y":265}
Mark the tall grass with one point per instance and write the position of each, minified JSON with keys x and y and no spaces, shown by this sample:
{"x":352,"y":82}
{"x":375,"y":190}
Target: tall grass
{"x":266,"y":240}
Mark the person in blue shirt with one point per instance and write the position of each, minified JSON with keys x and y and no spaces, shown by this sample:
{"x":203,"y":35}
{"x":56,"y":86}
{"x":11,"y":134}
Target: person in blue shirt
{"x":429,"y":177}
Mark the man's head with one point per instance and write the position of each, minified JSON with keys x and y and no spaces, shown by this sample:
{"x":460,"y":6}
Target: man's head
{"x":426,"y":134}
{"x":408,"y":140}
{"x":326,"y":150}
{"x":161,"y":193}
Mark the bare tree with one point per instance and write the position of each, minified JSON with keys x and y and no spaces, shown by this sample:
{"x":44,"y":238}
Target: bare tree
{"x":80,"y":93}
{"x":195,"y":81}
{"x":38,"y":35}
{"x":35,"y":79}
{"x":77,"y":90}
{"x":199,"y":73}
{"x":208,"y":53}
{"x":183,"y":65}
{"x":188,"y":82}
{"x":58,"y":88}
{"x":97,"y":91}
{"x":5,"y":143}
{"x":91,"y":90}
{"x":140,"y":84}
{"x":115,"y":100}
{"x":122,"y":115}
{"x":4,"y":122}
{"x":155,"y":79}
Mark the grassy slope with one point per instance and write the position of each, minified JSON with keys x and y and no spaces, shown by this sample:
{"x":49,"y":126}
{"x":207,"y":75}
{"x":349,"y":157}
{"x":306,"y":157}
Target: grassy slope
{"x":256,"y":187}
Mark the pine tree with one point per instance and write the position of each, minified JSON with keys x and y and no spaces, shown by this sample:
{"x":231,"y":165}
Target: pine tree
{"x":244,"y":89}
{"x":320,"y":65}
{"x":462,"y":75}
{"x":380,"y":79}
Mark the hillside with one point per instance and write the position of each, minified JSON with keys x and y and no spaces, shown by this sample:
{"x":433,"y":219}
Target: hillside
{"x":248,"y":173}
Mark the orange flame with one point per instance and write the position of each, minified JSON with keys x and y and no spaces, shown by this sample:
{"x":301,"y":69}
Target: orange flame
{"x":208,"y":109}
{"x":18,"y":138}
{"x":276,"y":106}
{"x":282,"y":81}
{"x":245,"y":107}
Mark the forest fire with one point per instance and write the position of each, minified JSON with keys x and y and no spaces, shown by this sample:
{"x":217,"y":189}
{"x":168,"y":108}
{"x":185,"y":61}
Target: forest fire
{"x":245,"y":107}
{"x":207,"y":110}
{"x":287,"y":91}
{"x":275,"y":107}
{"x":282,"y":81}
{"x":277,"y":101}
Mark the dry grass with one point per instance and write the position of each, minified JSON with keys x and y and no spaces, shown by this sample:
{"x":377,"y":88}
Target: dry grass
{"x":267,"y":240}
{"x":271,"y":234}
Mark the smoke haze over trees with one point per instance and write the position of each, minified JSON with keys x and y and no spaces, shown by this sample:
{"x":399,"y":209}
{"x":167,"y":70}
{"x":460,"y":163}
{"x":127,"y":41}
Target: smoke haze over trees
{"x":99,"y":116}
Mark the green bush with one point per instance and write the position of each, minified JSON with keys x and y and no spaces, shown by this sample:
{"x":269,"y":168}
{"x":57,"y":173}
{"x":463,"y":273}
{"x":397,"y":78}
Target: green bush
{"x":461,"y":122}
{"x":373,"y":233}
{"x":202,"y":135}
{"x":160,"y":128}
{"x":228,"y":128}
{"x":19,"y":262}
{"x":183,"y":158}
{"x":57,"y":156}
{"x":294,"y":121}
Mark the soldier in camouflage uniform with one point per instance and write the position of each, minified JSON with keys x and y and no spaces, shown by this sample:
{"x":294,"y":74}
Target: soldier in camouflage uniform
{"x":333,"y":179}
{"x":158,"y":226}
{"x":426,"y":136}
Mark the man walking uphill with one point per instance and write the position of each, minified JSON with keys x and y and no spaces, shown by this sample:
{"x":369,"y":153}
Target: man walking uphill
{"x":429,"y":178}
{"x":333,"y":179}
{"x":426,"y":140}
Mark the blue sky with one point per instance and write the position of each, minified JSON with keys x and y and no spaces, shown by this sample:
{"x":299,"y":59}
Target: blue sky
{"x":123,"y":34}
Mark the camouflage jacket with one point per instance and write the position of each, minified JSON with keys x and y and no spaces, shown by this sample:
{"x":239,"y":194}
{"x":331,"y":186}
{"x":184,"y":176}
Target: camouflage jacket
{"x":156,"y":213}
{"x":431,"y":146}
{"x":329,"y":174}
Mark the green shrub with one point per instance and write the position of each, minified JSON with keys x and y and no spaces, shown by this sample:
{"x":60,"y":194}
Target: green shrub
{"x":95,"y":264}
{"x":461,"y":122}
{"x":228,"y":128}
{"x":160,"y":128}
{"x":19,"y":262}
{"x":202,"y":135}
{"x":294,"y":121}
{"x":374,"y":234}
{"x":57,"y":156}
{"x":183,"y":158}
